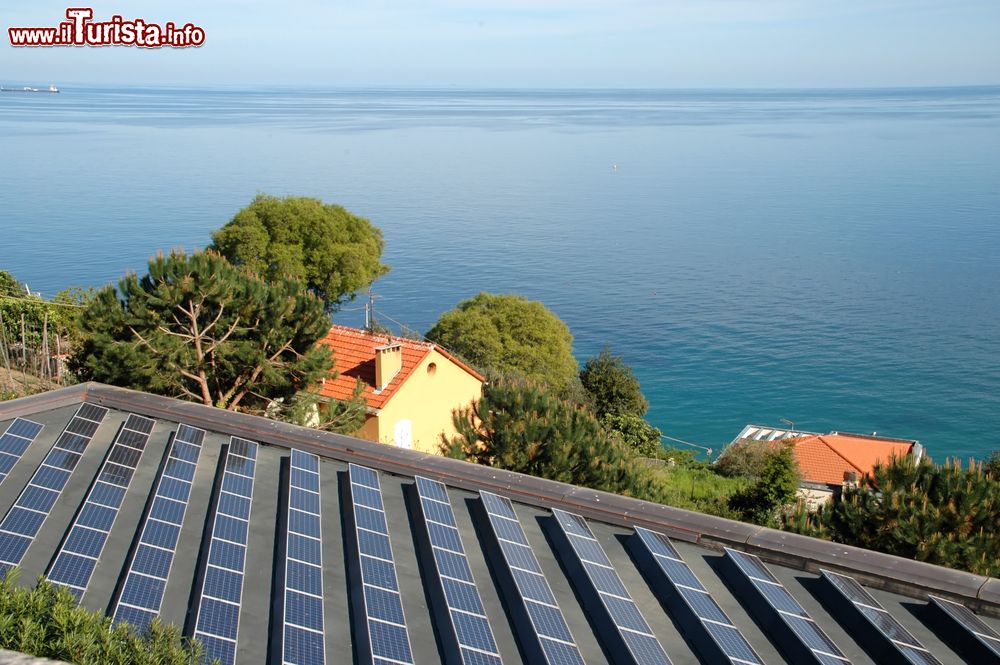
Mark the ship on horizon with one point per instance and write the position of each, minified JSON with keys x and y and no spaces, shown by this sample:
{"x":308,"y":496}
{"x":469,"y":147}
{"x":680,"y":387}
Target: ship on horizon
{"x":51,"y":88}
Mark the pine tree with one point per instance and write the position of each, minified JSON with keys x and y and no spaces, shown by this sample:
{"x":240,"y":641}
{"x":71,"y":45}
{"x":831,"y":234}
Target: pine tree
{"x":196,"y":327}
{"x":942,"y":514}
{"x":521,"y":427}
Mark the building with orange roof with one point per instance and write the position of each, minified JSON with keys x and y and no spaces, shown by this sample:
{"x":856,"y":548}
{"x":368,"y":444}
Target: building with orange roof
{"x":829,"y":462}
{"x":411,"y":387}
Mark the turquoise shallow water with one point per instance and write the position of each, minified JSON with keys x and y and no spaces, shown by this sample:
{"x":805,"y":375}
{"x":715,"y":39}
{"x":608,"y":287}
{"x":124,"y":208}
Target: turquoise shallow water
{"x":829,"y":257}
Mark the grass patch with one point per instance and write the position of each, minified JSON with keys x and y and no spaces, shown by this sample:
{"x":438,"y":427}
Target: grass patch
{"x":697,"y":487}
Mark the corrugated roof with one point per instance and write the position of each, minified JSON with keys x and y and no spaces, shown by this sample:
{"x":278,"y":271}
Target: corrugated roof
{"x":765,"y":433}
{"x":354,"y":358}
{"x":281,"y":509}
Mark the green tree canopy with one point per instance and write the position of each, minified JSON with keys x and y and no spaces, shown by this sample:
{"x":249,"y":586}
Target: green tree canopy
{"x":332,"y":251}
{"x":613,"y":393}
{"x":509,"y":335}
{"x":612,"y":386}
{"x":941,"y":514}
{"x":522,"y":427}
{"x":635,"y":433}
{"x":196,"y":327}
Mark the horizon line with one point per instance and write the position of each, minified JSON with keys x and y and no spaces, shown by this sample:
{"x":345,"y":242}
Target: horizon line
{"x":474,"y":87}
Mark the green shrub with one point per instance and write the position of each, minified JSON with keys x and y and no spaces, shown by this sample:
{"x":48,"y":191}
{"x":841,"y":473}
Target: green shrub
{"x":634,"y":432}
{"x":46,"y":621}
{"x":747,"y":457}
{"x":775,"y":488}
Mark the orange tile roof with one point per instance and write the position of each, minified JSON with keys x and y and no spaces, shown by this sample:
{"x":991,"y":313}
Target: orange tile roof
{"x":824,"y":458}
{"x":354,"y":358}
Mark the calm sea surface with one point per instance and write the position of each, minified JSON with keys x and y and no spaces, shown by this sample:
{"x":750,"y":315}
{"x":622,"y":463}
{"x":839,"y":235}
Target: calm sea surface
{"x":829,"y":257}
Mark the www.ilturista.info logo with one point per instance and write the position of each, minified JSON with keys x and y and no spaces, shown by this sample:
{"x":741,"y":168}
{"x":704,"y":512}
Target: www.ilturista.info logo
{"x":81,"y":30}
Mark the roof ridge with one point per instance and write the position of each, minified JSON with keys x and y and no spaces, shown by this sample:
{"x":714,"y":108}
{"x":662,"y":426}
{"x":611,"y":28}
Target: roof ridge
{"x":361,"y":332}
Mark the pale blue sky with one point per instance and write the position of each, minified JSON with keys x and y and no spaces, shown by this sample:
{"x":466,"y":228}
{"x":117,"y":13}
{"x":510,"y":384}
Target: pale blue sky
{"x":534,"y":43}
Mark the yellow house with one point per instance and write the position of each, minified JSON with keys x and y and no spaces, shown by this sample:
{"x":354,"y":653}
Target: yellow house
{"x":411,"y":387}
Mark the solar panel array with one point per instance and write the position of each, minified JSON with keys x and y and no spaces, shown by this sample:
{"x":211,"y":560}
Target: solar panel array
{"x":615,"y":598}
{"x":465,"y":633}
{"x":551,"y":633}
{"x":25,"y":518}
{"x":217,"y":625}
{"x":789,"y":610}
{"x":303,"y":636}
{"x":146,"y":579}
{"x":77,"y":558}
{"x":14,"y":441}
{"x":879,"y":619}
{"x":470,"y":626}
{"x":726,"y":636}
{"x":388,"y":640}
{"x":966,"y":621}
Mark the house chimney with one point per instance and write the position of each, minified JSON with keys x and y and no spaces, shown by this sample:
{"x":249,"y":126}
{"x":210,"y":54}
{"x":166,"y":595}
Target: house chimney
{"x":388,"y":362}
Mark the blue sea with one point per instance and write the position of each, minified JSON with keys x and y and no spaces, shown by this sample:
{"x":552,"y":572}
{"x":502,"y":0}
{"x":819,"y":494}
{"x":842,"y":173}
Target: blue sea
{"x":829,"y":257}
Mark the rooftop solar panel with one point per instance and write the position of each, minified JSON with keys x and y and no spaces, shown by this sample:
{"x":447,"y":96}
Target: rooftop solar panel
{"x":541,"y":626}
{"x":471,"y":639}
{"x":220,"y":602}
{"x":142,"y":592}
{"x":633,"y":640}
{"x":379,"y":606}
{"x":966,"y":631}
{"x":802,"y":639}
{"x":74,"y":563}
{"x":25,"y":518}
{"x":14,"y":441}
{"x":706,"y":624}
{"x":303,"y":634}
{"x":878,"y":623}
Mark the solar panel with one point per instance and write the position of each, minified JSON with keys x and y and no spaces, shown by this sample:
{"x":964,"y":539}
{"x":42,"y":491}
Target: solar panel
{"x":985,"y":642}
{"x":530,"y":591}
{"x":142,"y":593}
{"x":884,"y":624}
{"x":671,"y":569}
{"x":381,"y":606}
{"x":605,"y":584}
{"x":303,"y":636}
{"x":14,"y":441}
{"x":218,"y":619}
{"x":803,"y":636}
{"x":25,"y":518}
{"x":74,"y":563}
{"x":470,"y":628}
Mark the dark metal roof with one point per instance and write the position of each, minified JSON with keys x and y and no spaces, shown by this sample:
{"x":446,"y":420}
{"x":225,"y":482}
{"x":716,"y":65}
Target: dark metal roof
{"x":580,"y":569}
